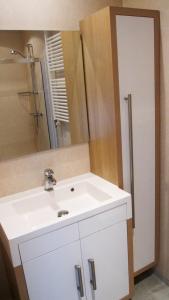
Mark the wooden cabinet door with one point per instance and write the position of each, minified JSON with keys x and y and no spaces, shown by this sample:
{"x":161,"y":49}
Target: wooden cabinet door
{"x":52,"y":276}
{"x":108,"y":251}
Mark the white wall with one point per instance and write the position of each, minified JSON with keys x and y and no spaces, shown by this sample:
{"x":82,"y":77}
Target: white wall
{"x":48,"y":14}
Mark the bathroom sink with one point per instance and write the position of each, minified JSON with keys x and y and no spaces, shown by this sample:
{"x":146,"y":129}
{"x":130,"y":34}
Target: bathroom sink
{"x":41,"y":207}
{"x":29,"y":214}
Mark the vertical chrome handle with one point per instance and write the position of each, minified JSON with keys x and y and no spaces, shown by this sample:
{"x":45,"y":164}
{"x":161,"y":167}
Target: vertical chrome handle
{"x":92,"y":274}
{"x":130,"y":122}
{"x":79,"y":280}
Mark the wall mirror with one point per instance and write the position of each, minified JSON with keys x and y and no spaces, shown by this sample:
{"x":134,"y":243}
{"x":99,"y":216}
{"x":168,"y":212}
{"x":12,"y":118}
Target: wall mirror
{"x":42,"y":92}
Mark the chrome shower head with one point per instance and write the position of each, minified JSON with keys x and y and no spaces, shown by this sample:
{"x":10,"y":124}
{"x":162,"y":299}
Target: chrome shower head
{"x":16,"y":52}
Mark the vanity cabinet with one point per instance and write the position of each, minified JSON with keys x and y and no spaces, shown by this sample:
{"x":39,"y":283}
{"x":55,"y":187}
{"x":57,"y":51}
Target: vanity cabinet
{"x":52,"y":275}
{"x":105,"y":261}
{"x":121,"y":58}
{"x":87,"y":260}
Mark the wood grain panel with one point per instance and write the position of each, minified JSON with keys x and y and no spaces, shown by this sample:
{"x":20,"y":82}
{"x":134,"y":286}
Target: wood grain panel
{"x":74,"y":74}
{"x":130,"y":256}
{"x":130,"y":259}
{"x":21,"y":283}
{"x":103,"y":110}
{"x":137,"y":12}
{"x":15,"y":277}
{"x":157,"y":132}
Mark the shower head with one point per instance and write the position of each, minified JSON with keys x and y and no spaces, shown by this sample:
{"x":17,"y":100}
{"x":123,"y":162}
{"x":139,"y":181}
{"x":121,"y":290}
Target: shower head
{"x":16,"y":52}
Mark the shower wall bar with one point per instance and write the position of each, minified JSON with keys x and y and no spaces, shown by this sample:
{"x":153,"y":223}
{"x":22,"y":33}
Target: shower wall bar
{"x":19,"y":61}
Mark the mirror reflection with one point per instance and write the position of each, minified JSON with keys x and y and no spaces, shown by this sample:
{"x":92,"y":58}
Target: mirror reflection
{"x":42,"y":92}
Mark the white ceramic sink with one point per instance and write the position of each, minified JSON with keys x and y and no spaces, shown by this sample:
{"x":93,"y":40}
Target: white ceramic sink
{"x":29,"y":214}
{"x":41,"y":207}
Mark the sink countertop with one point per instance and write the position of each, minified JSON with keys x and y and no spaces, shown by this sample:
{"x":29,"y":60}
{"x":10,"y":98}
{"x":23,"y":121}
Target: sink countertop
{"x":16,"y":229}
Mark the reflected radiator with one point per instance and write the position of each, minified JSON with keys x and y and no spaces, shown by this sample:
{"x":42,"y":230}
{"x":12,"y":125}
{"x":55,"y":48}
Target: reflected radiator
{"x":55,"y":62}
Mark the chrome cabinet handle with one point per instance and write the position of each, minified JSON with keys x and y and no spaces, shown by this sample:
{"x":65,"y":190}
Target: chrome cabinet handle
{"x":79,"y":280}
{"x":130,"y":122}
{"x":92,"y":274}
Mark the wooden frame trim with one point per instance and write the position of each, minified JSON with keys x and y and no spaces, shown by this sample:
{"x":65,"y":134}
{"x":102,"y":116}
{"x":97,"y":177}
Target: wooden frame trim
{"x":15,"y":276}
{"x":146,"y":268}
{"x":21,"y":283}
{"x":116,"y":97}
{"x":130,"y":259}
{"x":155,"y":14}
{"x":157,"y":133}
{"x":130,"y":256}
{"x":126,"y":298}
{"x":137,"y":12}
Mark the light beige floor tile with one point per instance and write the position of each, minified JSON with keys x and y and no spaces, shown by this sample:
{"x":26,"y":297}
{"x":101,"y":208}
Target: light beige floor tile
{"x":152,"y":288}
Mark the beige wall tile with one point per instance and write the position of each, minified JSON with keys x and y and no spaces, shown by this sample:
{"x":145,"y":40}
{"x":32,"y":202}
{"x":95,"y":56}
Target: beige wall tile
{"x":37,"y":40}
{"x":16,"y":125}
{"x":27,"y":172}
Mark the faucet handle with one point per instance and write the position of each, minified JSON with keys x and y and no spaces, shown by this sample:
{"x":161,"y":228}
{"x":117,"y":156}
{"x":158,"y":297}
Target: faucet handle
{"x":48,"y":172}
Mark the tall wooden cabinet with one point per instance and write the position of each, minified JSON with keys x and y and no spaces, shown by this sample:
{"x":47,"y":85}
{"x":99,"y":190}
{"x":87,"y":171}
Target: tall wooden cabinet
{"x":121,"y":57}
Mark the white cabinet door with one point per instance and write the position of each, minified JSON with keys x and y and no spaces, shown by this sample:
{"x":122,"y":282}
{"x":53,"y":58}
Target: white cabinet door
{"x":135,"y":43}
{"x":108,"y":249}
{"x":52,"y":276}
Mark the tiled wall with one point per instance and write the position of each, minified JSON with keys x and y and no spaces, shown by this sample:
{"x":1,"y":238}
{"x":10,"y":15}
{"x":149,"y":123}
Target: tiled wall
{"x":16,"y":125}
{"x":163,"y":6}
{"x":27,"y":172}
{"x":37,"y":40}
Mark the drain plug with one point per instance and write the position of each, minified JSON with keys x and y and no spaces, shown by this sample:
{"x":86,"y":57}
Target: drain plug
{"x":62,"y":213}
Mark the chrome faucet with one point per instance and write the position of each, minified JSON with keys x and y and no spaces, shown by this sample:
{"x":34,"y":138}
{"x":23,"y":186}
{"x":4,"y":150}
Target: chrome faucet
{"x":50,"y":181}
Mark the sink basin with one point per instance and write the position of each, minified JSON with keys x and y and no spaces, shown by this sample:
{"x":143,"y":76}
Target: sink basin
{"x":39,"y":208}
{"x":32,"y":204}
{"x":30,"y":214}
